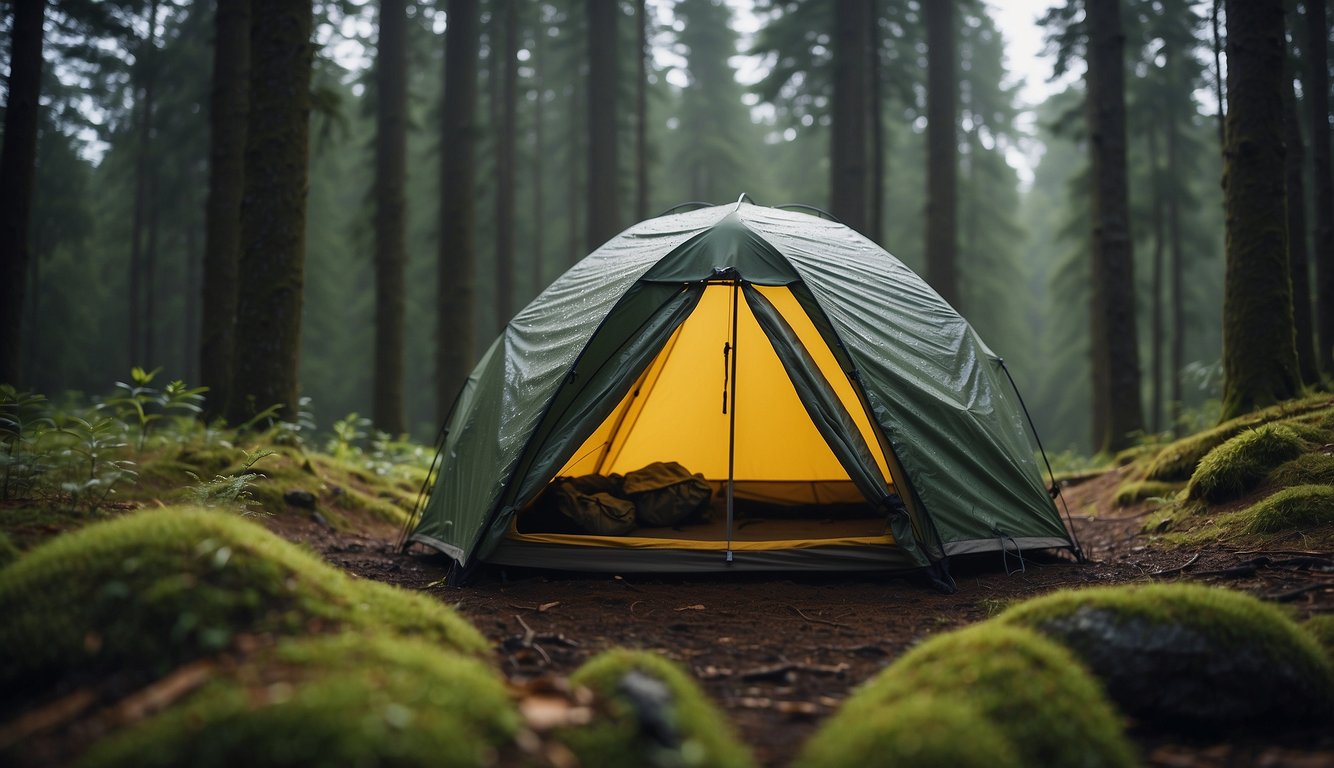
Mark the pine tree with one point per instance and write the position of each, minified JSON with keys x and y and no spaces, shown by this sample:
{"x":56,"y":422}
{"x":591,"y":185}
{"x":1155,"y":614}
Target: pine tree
{"x":942,"y":153}
{"x":391,"y":108}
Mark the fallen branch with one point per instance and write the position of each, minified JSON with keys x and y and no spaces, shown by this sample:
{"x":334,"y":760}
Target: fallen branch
{"x":1293,"y":594}
{"x":784,"y":672}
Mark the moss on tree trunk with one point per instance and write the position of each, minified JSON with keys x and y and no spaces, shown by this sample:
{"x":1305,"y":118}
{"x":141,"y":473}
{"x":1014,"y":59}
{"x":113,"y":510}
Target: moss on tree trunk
{"x":1259,"y":346}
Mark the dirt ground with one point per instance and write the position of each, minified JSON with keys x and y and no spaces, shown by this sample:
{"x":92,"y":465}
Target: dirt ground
{"x":779,"y":652}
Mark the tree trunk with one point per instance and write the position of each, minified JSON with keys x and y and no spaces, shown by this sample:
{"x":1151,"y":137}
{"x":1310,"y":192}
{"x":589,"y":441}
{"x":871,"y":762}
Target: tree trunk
{"x":1178,"y":260}
{"x":604,"y":217}
{"x":140,"y":296}
{"x":1294,"y":165}
{"x":1316,"y":91}
{"x":505,"y":197}
{"x":1113,"y":337}
{"x":539,"y":159}
{"x":1218,"y":73}
{"x":641,"y":114}
{"x":1259,"y":346}
{"x":942,"y":152}
{"x":849,"y":180}
{"x":457,"y":290}
{"x":391,"y":171}
{"x":18,"y":160}
{"x":875,"y":227}
{"x":1156,"y":288}
{"x":273,"y":212}
{"x":229,"y":107}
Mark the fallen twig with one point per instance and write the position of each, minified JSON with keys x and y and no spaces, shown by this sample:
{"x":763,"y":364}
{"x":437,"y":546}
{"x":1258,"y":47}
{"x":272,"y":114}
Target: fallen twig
{"x":816,"y":619}
{"x":1293,"y":594}
{"x":1179,"y":568}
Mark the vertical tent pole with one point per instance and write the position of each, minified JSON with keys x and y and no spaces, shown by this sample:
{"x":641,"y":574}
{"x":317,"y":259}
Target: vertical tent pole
{"x":731,"y":424}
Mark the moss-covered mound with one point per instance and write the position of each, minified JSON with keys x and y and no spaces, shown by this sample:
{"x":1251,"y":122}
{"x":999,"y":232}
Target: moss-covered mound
{"x":1177,"y":461}
{"x":1322,"y":629}
{"x":650,"y":713}
{"x":1307,"y":469}
{"x":350,"y":700}
{"x":1137,"y":491}
{"x":143,"y":593}
{"x":8,"y":552}
{"x":1302,"y":506}
{"x":922,"y":731}
{"x":1188,"y":656}
{"x":1029,"y":688}
{"x":1241,"y":463}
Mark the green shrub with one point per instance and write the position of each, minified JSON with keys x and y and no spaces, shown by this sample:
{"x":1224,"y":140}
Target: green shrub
{"x":690,"y":729}
{"x":1031,"y":689}
{"x":145,"y":592}
{"x":1134,"y":492}
{"x":346,"y":700}
{"x":1196,"y":656}
{"x":1241,"y":463}
{"x":920,"y":731}
{"x":1307,"y":469}
{"x":1295,"y":508}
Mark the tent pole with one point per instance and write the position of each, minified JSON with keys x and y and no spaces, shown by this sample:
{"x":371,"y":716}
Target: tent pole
{"x":731,"y":425}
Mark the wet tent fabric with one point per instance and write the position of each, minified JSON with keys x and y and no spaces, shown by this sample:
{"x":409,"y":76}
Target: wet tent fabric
{"x":952,"y":434}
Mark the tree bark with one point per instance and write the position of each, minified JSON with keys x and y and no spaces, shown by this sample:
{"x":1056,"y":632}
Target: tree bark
{"x":139,"y":268}
{"x":1300,"y":272}
{"x":229,"y":108}
{"x":539,"y":152}
{"x":1113,"y":337}
{"x":942,"y":152}
{"x":849,"y":181}
{"x":1259,"y":347}
{"x":641,"y":114}
{"x":508,"y":130}
{"x":1316,"y":91}
{"x":457,"y":290}
{"x":875,"y":227}
{"x":604,"y":217}
{"x":1156,"y":287}
{"x":17,"y":173}
{"x":391,"y":171}
{"x":1177,"y":256}
{"x":273,"y":212}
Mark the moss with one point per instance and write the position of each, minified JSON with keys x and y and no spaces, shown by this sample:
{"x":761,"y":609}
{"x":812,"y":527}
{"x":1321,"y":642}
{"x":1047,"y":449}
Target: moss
{"x":381,"y":509}
{"x":1031,"y":689}
{"x":1176,"y":462}
{"x":1295,"y":508}
{"x":617,"y":739}
{"x":1321,"y":628}
{"x":349,"y":700}
{"x":144,"y":592}
{"x":1307,"y":469}
{"x":8,"y":552}
{"x":1189,"y":653}
{"x":1137,"y":491}
{"x":920,"y":731}
{"x":1241,"y":463}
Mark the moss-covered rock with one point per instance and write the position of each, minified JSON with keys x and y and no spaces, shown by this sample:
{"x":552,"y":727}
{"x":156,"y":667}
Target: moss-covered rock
{"x":1031,"y":689}
{"x":349,"y":700}
{"x":1295,"y":508}
{"x":1241,"y":463}
{"x":1136,"y":491}
{"x":8,"y":552}
{"x":1322,"y":629}
{"x":1307,"y":469}
{"x":921,"y":731}
{"x":142,"y":593}
{"x":650,"y":713}
{"x":1189,"y":656}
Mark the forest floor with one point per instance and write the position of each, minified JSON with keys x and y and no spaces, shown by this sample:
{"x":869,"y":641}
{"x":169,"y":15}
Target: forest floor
{"x":780,"y":652}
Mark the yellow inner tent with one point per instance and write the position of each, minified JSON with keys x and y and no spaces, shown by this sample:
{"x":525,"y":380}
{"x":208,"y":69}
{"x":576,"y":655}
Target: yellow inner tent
{"x":675,"y":410}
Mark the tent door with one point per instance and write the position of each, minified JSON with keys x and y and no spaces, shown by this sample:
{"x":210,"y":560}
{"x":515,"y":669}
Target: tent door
{"x":826,"y":411}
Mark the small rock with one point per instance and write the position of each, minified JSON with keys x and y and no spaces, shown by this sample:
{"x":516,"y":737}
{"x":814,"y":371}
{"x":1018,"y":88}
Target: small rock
{"x":299,"y":498}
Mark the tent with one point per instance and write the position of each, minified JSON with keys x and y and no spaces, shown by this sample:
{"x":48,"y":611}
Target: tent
{"x":843,"y":415}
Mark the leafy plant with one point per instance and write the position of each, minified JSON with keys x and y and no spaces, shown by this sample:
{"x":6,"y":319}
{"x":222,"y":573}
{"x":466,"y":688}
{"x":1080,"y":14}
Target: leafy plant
{"x":348,"y":432}
{"x":87,"y":471}
{"x":229,"y":490}
{"x":140,"y":404}
{"x":23,"y":423}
